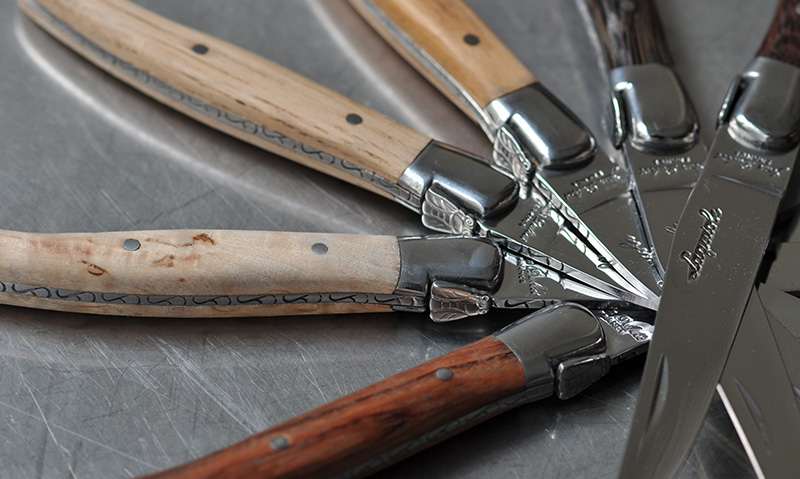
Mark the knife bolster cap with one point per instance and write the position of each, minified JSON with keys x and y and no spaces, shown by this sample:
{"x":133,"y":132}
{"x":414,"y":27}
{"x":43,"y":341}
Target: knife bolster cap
{"x":463,"y":179}
{"x":762,"y":109}
{"x":652,"y":109}
{"x":564,"y":344}
{"x":459,"y":274}
{"x":531,"y":124}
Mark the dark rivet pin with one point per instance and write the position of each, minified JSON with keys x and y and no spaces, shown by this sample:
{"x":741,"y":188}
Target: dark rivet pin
{"x":444,"y":374}
{"x":279,"y":442}
{"x":200,"y":48}
{"x":471,"y":39}
{"x":319,"y":248}
{"x":354,"y":119}
{"x":131,"y":244}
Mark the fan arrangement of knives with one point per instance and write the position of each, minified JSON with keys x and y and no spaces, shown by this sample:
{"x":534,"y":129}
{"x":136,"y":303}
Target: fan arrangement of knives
{"x":661,"y":250}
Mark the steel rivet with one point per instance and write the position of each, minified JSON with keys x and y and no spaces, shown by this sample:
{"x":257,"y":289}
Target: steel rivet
{"x":200,"y":48}
{"x":319,"y":248}
{"x":444,"y":374}
{"x":279,"y":442}
{"x":628,"y":6}
{"x":471,"y":39}
{"x":354,"y":119}
{"x":131,"y":244}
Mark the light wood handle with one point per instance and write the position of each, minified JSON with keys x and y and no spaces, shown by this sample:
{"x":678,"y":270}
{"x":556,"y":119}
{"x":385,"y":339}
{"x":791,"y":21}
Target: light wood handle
{"x":629,"y":31}
{"x":782,"y":41}
{"x":348,"y":432}
{"x":231,"y":89}
{"x":197,"y":273}
{"x":450,"y":33}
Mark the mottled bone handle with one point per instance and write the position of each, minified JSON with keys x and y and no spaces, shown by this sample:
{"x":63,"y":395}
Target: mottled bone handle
{"x":782,"y":41}
{"x":629,"y":32}
{"x":346,"y":434}
{"x":197,"y":273}
{"x":233,"y":90}
{"x":450,"y":33}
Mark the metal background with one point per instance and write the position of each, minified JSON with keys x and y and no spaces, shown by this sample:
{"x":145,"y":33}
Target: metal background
{"x":97,"y":397}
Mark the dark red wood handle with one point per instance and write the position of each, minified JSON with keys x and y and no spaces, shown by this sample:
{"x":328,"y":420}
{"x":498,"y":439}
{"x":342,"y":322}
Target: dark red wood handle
{"x":348,"y":432}
{"x":782,"y":41}
{"x":629,"y":31}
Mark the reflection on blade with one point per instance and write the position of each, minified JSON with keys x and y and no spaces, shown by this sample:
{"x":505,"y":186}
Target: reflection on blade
{"x":755,"y":387}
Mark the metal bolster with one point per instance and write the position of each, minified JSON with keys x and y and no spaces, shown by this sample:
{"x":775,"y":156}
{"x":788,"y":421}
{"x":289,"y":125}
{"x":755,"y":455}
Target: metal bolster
{"x":459,"y":274}
{"x":564,"y":345}
{"x":762,"y":107}
{"x":456,"y":187}
{"x":531,"y":123}
{"x":652,"y":109}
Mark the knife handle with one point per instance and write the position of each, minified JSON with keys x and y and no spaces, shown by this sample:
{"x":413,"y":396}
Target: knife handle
{"x":629,"y":32}
{"x":198,"y":273}
{"x":468,"y":55}
{"x":233,"y":90}
{"x":782,"y":41}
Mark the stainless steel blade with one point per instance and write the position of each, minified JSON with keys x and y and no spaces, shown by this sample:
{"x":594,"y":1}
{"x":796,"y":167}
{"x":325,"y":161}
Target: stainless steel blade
{"x":717,"y":249}
{"x":758,"y":393}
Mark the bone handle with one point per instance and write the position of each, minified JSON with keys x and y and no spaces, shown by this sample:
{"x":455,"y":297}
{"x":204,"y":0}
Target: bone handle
{"x":456,"y":39}
{"x":629,"y":32}
{"x":782,"y":41}
{"x":202,"y":273}
{"x":233,"y":90}
{"x":346,"y":434}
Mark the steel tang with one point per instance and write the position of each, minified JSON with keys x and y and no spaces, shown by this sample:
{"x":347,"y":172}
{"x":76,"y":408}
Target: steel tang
{"x":537,"y":139}
{"x":557,"y":351}
{"x":260,"y":102}
{"x":654,"y":122}
{"x":718,"y":246}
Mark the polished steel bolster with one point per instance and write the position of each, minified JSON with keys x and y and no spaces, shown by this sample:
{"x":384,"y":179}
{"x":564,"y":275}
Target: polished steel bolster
{"x":651,"y":109}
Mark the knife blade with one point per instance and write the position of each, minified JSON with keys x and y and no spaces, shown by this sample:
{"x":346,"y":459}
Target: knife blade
{"x":558,"y":351}
{"x":654,"y":121}
{"x":260,"y":102}
{"x":536,"y":137}
{"x":717,"y":250}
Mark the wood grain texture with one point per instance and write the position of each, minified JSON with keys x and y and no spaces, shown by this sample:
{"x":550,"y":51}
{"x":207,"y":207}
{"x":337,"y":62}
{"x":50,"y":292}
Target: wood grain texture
{"x":629,"y":32}
{"x":238,"y":82}
{"x":782,"y":41}
{"x":198,"y":263}
{"x":486,"y":70}
{"x":347,"y":432}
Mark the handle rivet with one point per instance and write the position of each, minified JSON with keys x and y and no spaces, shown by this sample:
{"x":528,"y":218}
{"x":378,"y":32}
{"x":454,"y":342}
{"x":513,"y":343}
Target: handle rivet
{"x":353,"y":119}
{"x":628,"y":6}
{"x":131,"y":244}
{"x":471,"y":39}
{"x":444,"y":374}
{"x":200,"y":48}
{"x":319,"y":248}
{"x":279,"y":442}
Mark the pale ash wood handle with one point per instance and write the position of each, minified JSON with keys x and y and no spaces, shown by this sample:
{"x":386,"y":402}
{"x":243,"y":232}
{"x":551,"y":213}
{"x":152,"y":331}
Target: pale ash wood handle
{"x":451,"y":33}
{"x":346,"y":433}
{"x":194,"y":273}
{"x":233,"y":80}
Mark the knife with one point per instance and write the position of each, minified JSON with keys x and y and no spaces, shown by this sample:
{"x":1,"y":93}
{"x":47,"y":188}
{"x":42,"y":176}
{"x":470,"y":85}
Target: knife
{"x":262,"y":103}
{"x":717,"y":250}
{"x":536,"y":138}
{"x":218,"y":273}
{"x":654,"y":124}
{"x":558,"y":351}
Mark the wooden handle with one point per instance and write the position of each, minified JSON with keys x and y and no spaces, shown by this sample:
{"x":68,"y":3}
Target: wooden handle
{"x":629,"y":32}
{"x":233,"y":90}
{"x":782,"y":41}
{"x":197,"y":273}
{"x":346,"y":433}
{"x":450,"y":33}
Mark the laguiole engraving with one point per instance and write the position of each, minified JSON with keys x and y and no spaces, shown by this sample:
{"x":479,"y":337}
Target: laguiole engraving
{"x":670,"y":166}
{"x":697,"y":258}
{"x":535,"y":219}
{"x":750,"y":161}
{"x":593,"y":182}
{"x":648,"y":254}
{"x":529,"y":273}
{"x":626,"y":325}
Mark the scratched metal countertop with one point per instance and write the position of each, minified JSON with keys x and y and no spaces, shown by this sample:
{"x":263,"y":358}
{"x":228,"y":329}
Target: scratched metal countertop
{"x":100,"y":397}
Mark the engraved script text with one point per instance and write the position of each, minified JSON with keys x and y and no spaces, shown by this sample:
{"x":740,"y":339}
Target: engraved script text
{"x":697,"y":258}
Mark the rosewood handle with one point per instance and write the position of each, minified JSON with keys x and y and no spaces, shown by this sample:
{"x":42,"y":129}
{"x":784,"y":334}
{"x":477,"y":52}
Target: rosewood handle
{"x":345,"y":434}
{"x":233,"y":90}
{"x":782,"y":41}
{"x":456,"y":39}
{"x":629,"y":32}
{"x":197,"y":273}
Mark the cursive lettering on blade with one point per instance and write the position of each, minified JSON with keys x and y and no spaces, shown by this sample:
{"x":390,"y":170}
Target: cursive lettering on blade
{"x":697,"y":258}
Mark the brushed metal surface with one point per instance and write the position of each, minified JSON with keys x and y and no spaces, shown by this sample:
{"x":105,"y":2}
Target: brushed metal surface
{"x":93,"y":397}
